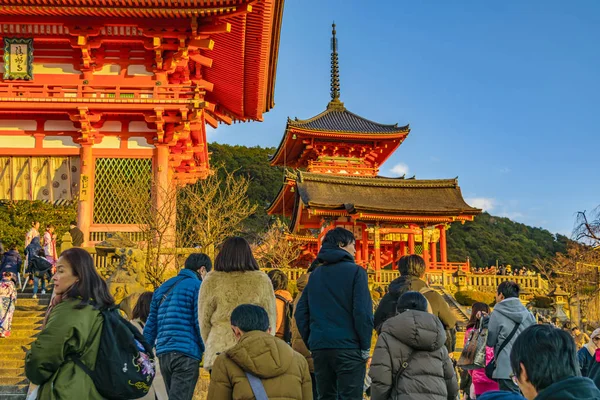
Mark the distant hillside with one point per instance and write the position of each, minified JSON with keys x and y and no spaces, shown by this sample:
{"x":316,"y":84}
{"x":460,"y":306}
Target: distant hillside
{"x":485,"y":240}
{"x":490,"y":238}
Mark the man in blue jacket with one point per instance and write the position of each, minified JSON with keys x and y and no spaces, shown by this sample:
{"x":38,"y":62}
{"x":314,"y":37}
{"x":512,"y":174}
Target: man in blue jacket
{"x":172,"y":327}
{"x":335,"y":318}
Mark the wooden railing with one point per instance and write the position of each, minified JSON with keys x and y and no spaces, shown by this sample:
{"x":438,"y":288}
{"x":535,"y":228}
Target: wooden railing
{"x":92,"y":93}
{"x":487,"y":282}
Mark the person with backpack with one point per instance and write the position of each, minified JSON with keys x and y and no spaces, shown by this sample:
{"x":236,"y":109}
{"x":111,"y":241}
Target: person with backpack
{"x":139,"y":317}
{"x":297,"y":342}
{"x":39,"y":269}
{"x":335,"y":318}
{"x":259,"y":366}
{"x":283,"y":302}
{"x":410,"y":360}
{"x":172,"y":327}
{"x":412,"y":274}
{"x":11,"y":262}
{"x":74,"y":326}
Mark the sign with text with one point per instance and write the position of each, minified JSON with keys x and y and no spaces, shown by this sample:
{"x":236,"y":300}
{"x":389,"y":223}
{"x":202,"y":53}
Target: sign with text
{"x":84,"y":188}
{"x":18,"y":58}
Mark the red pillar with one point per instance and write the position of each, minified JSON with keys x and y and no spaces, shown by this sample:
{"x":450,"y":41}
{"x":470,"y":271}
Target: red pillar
{"x":402,"y":249}
{"x":86,"y":191}
{"x":411,"y":243}
{"x":377,"y":251}
{"x":443,"y":252}
{"x":365,"y":245}
{"x":433,"y":250}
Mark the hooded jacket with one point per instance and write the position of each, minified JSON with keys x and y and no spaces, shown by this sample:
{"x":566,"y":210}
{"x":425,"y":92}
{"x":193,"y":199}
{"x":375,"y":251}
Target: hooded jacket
{"x":172,"y":324}
{"x":220,"y":294}
{"x":439,"y":307}
{"x":416,"y":338}
{"x":297,"y":342}
{"x":11,"y":262}
{"x":502,"y":321}
{"x":283,"y":372}
{"x":335,"y":309}
{"x":574,"y":388}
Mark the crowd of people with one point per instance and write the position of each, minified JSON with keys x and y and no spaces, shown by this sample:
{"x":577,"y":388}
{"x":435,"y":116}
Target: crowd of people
{"x":257,"y":341}
{"x":505,"y":270}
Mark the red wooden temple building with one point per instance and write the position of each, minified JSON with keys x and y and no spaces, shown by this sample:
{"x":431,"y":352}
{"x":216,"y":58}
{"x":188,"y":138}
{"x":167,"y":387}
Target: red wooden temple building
{"x":335,"y":159}
{"x":97,"y":91}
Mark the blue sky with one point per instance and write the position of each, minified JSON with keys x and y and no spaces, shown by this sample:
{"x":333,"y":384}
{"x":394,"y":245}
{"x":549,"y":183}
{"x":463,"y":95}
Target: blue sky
{"x":504,"y":95}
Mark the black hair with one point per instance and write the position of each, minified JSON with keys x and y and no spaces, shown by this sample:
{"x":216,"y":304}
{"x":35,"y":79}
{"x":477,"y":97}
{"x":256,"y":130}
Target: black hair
{"x":338,"y":237}
{"x":412,"y":265}
{"x":250,"y":317}
{"x":142,"y":307}
{"x":197,"y":260}
{"x":73,"y":223}
{"x":41,"y":253}
{"x":478,"y":306}
{"x":509,"y":289}
{"x":411,"y":301}
{"x":90,"y":288}
{"x":548,"y":354}
{"x":279,"y":279}
{"x":236,"y":255}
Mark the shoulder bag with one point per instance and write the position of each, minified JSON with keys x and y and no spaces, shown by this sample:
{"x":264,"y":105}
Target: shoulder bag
{"x":491,"y":367}
{"x":474,"y":354}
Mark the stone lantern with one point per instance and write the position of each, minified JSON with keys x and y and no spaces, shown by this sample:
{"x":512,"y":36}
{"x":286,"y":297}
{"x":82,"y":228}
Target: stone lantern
{"x":460,"y":280}
{"x":560,"y":298}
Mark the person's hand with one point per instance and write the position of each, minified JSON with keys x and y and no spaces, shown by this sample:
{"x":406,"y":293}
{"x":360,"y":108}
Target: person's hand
{"x":365,"y":354}
{"x":481,"y":314}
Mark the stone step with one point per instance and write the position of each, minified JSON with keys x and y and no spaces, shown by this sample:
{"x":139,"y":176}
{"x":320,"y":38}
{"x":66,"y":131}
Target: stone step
{"x":13,"y":363}
{"x":11,"y":373}
{"x":14,"y":396}
{"x":29,"y":313}
{"x":30,"y":307}
{"x":13,"y":389}
{"x":15,"y":380}
{"x":27,"y":323}
{"x":32,"y":302}
{"x":23,"y":333}
{"x":29,"y":295}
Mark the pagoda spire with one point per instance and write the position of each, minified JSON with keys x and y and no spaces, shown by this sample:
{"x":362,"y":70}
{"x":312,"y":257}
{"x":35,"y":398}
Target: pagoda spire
{"x":335,"y":72}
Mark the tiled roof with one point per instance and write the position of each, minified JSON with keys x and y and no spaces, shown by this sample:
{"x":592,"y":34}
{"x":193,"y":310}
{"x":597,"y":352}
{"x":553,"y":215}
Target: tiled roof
{"x":337,"y":119}
{"x":383,"y":195}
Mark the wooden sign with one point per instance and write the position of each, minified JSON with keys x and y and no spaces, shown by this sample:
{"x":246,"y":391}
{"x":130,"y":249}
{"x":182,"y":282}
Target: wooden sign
{"x":84,"y":188}
{"x":18,"y":58}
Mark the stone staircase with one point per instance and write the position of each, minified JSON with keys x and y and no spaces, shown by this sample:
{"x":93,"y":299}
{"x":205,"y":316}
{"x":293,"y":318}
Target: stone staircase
{"x":26,"y":325}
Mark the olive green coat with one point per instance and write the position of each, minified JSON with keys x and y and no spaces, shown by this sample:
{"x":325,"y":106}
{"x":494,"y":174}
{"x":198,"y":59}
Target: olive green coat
{"x":68,"y":331}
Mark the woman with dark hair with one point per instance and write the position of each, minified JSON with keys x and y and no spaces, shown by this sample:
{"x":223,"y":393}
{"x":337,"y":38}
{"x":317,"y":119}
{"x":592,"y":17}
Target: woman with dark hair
{"x":32,"y":233}
{"x":283,"y":302}
{"x":8,"y":300}
{"x":139,"y":315}
{"x":481,"y":383}
{"x":73,"y":326}
{"x":410,"y":360}
{"x":236,"y":279}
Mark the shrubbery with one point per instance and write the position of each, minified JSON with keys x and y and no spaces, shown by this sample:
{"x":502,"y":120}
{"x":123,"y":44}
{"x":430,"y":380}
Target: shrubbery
{"x":469,"y":297}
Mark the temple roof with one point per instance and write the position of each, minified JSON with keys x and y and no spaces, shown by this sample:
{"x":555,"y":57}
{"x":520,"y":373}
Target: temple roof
{"x":382,"y":195}
{"x":337,"y":119}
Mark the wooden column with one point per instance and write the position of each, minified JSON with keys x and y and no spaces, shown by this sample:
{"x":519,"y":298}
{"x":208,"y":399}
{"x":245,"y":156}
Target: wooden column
{"x":433,"y":251}
{"x":365,"y":245}
{"x":164,"y":198}
{"x":402,"y":249}
{"x":443,"y":252}
{"x":411,"y":243}
{"x":86,"y":194}
{"x":377,"y":251}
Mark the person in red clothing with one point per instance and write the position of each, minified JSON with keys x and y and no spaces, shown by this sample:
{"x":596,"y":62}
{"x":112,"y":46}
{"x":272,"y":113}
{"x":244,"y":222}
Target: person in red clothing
{"x":283,"y":301}
{"x":481,"y":383}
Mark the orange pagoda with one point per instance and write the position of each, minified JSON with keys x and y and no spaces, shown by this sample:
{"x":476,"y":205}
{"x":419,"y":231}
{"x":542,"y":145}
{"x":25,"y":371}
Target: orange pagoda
{"x":332,"y":162}
{"x":94,"y":92}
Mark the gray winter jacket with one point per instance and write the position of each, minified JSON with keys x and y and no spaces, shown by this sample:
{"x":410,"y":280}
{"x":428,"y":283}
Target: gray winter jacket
{"x":502,"y":321}
{"x":417,"y":338}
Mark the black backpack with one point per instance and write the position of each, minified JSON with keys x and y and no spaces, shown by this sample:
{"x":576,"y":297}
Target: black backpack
{"x":288,"y":312}
{"x":125,"y":363}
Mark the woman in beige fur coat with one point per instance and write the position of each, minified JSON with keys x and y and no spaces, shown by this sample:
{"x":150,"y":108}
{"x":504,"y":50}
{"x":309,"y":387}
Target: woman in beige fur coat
{"x":236,"y":279}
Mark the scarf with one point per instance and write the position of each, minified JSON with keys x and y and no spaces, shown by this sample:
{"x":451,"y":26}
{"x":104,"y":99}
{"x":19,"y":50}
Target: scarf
{"x":591,"y":346}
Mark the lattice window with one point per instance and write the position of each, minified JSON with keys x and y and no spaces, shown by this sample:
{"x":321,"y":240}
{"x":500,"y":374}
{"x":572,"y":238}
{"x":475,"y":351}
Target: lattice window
{"x":112,"y":174}
{"x":419,"y":249}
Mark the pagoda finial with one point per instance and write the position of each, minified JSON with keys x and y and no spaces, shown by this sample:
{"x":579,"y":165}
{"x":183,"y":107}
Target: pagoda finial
{"x":335,"y":69}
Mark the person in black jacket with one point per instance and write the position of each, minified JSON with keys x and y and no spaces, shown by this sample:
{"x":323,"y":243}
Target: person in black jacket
{"x":39,"y":268}
{"x":76,"y":234}
{"x":335,"y":318}
{"x":588,"y":363}
{"x":545,"y":366}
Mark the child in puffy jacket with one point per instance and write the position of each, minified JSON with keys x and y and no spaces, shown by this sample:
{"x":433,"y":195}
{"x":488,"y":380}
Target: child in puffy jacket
{"x":481,"y":383}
